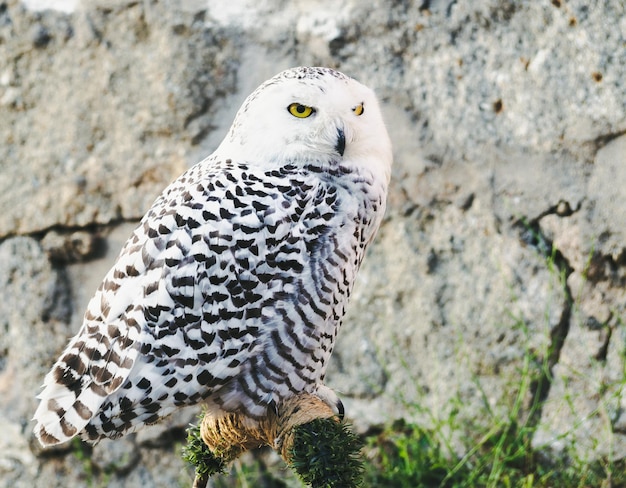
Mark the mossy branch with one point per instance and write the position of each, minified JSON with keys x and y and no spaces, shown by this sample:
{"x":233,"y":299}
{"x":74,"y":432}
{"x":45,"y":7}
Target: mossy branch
{"x":326,"y":454}
{"x":198,"y":454}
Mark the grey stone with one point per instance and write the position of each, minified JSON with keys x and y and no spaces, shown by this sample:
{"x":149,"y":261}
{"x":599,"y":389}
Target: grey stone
{"x":86,"y":129}
{"x":607,"y":207}
{"x":34,"y":309}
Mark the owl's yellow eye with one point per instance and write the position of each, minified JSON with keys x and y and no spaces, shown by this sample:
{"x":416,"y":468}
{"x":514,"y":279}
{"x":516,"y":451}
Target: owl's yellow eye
{"x":300,"y":111}
{"x":358,"y":110}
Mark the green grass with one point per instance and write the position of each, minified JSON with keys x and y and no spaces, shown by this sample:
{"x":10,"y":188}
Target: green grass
{"x":497,"y":449}
{"x":407,"y":456}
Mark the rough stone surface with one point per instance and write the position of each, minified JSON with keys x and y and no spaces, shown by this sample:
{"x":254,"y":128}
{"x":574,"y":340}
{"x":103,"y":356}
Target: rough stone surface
{"x":502,"y":256}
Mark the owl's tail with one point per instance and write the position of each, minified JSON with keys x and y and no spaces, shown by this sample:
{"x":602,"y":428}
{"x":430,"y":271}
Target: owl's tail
{"x":91,"y":368}
{"x":66,"y":404}
{"x":61,"y":415}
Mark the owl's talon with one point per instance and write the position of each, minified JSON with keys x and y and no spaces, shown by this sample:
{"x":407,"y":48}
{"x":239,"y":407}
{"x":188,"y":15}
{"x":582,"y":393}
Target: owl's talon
{"x":331,"y":399}
{"x":341,"y":411}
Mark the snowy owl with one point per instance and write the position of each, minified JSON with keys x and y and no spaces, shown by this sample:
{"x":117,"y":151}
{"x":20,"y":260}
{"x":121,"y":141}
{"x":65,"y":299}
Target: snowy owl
{"x":232,"y":288}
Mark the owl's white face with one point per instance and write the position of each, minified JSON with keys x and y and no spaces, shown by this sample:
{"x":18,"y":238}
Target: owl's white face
{"x":303,"y":116}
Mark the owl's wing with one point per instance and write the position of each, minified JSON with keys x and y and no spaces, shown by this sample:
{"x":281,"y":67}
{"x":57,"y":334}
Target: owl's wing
{"x":180,"y":311}
{"x":96,"y":361}
{"x":134,"y":303}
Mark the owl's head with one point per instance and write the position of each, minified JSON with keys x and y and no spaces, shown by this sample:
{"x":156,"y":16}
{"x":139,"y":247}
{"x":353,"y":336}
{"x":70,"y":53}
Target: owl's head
{"x":311,"y":116}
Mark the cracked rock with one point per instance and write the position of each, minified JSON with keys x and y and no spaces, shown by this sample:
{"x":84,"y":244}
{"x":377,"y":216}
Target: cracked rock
{"x":71,"y":247}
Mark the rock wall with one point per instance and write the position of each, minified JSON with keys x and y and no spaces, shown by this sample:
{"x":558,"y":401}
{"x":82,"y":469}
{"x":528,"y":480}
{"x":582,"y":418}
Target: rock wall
{"x":500,"y":269}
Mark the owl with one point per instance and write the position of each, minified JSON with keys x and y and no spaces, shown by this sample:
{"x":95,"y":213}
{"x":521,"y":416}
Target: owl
{"x":232,"y":288}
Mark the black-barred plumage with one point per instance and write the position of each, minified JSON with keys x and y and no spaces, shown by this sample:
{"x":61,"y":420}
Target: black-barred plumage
{"x":232,"y":288}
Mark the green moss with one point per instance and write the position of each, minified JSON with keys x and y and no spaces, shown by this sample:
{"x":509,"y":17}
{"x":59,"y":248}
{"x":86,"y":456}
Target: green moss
{"x":200,"y":456}
{"x":326,"y":454}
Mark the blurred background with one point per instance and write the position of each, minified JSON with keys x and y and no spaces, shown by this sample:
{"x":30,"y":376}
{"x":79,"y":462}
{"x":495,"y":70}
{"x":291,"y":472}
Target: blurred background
{"x":485,"y":343}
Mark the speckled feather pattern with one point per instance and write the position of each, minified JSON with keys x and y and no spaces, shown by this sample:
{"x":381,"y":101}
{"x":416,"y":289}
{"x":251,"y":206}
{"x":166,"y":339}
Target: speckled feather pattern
{"x":229,"y":292}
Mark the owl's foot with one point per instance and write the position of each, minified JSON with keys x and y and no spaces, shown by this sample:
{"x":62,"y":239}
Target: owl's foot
{"x":306,"y":430}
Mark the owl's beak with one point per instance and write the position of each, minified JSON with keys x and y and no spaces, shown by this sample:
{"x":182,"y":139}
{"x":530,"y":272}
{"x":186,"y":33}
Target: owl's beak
{"x":340,"y":146}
